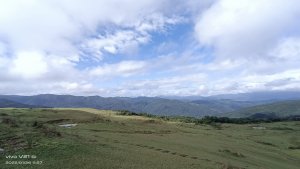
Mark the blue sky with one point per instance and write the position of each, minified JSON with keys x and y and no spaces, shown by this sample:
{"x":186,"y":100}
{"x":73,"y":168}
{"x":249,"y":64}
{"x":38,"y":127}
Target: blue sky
{"x":149,"y":48}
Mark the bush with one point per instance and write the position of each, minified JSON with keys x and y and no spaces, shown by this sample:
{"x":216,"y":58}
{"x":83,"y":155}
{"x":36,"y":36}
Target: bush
{"x":50,"y":132}
{"x":37,"y":124}
{"x":29,"y":140}
{"x":127,"y":113}
{"x":11,"y":122}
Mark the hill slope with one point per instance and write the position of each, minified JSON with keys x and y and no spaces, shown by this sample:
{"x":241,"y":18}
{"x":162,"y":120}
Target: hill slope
{"x":8,"y":103}
{"x":226,"y":105}
{"x":104,"y":139}
{"x":279,"y":109}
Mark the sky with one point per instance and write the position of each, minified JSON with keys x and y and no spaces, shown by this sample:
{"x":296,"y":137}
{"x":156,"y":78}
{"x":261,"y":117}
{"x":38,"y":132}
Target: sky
{"x":149,"y":47}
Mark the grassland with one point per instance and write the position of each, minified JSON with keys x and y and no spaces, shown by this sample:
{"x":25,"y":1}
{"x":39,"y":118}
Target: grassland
{"x":104,"y":139}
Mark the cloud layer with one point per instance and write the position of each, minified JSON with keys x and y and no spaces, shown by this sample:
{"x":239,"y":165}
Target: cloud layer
{"x":151,"y":47}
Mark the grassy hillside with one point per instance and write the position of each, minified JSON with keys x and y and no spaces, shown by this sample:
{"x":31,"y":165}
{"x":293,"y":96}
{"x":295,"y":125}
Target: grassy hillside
{"x":280,"y":109}
{"x":104,"y":139}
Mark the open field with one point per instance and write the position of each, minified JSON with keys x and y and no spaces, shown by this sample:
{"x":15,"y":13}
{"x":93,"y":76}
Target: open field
{"x":103,"y":139}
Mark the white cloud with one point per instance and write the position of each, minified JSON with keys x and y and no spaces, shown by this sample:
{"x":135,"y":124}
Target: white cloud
{"x":2,"y":49}
{"x":59,"y":26}
{"x":37,"y":67}
{"x":119,"y":42}
{"x":34,"y":87}
{"x":124,"y":68}
{"x":36,"y":25}
{"x":191,"y":84}
{"x":247,"y":28}
{"x":127,"y":40}
{"x":29,"y":65}
{"x":255,"y":46}
{"x":287,"y":49}
{"x":41,"y":40}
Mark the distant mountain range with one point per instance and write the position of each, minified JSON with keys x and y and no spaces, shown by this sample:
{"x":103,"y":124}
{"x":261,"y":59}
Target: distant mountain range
{"x":233,"y":105}
{"x":152,"y":105}
{"x":260,"y":96}
{"x":277,"y":109}
{"x":4,"y":103}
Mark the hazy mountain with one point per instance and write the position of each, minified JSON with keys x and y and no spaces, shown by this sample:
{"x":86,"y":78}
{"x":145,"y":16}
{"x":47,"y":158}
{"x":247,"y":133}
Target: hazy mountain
{"x":182,"y":106}
{"x":225,"y":105}
{"x":153,"y":105}
{"x":8,"y":103}
{"x":184,"y":98}
{"x":278,"y":109}
{"x":260,"y":96}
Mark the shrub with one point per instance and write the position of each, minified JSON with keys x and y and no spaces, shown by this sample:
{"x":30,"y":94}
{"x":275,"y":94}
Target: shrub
{"x":50,"y":132}
{"x":29,"y":138}
{"x":9,"y":121}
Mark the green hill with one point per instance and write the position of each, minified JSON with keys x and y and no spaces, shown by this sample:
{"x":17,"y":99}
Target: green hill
{"x":105,"y":139}
{"x":277,"y":109}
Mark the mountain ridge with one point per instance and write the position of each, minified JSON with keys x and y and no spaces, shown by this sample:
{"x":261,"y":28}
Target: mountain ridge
{"x":276,"y":109}
{"x":175,"y":106}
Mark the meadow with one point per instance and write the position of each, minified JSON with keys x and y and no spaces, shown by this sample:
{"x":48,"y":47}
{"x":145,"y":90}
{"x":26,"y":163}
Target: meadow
{"x":105,"y":139}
